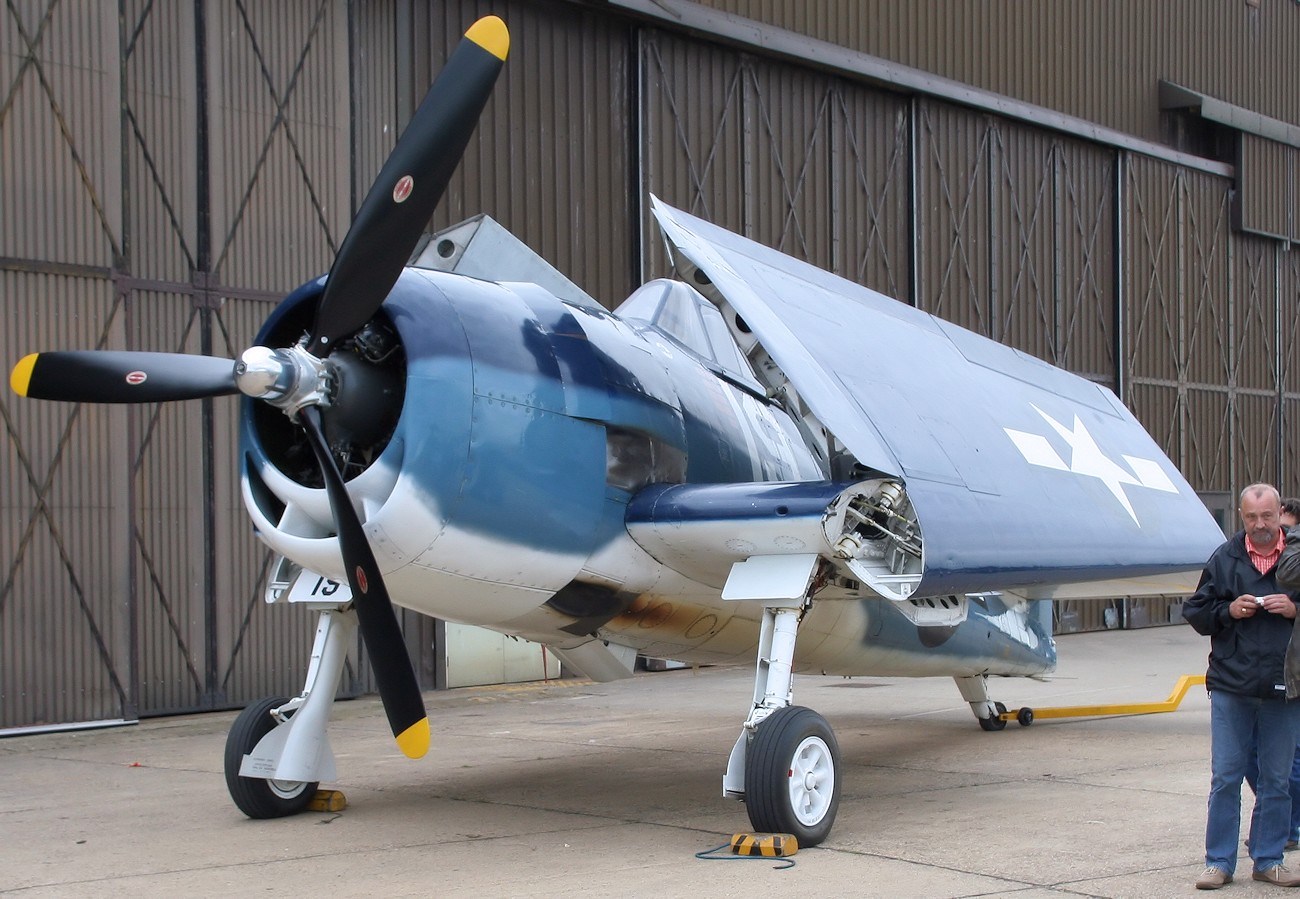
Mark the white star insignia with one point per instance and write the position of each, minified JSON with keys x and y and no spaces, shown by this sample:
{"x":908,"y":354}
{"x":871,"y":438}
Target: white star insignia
{"x":1087,"y":459}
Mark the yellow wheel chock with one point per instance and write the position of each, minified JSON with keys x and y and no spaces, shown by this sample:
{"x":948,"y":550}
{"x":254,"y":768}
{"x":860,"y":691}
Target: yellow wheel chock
{"x":1027,"y":716}
{"x":772,"y":845}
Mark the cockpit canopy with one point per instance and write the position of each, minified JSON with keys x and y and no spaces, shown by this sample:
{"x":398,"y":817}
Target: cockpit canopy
{"x":682,"y":313}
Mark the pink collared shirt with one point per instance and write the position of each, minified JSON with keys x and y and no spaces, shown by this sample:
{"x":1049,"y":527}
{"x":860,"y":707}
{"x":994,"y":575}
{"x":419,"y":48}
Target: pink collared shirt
{"x":1264,"y":561}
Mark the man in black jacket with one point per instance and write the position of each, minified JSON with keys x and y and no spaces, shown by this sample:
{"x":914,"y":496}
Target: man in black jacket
{"x":1288,"y":567}
{"x":1239,"y":606}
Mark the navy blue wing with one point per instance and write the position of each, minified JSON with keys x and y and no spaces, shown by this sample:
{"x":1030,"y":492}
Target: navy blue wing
{"x":1020,"y":473}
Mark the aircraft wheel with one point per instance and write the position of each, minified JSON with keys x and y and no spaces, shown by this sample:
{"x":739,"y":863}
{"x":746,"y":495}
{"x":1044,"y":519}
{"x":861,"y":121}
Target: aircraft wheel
{"x":792,"y":782}
{"x":256,"y":796}
{"x":996,"y":722}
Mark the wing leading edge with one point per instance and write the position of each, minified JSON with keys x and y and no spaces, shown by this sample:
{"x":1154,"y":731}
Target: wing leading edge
{"x":1020,"y":473}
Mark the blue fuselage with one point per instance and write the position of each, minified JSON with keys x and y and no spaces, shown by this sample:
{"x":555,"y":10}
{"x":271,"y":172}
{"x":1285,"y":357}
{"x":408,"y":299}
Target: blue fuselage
{"x":525,"y":428}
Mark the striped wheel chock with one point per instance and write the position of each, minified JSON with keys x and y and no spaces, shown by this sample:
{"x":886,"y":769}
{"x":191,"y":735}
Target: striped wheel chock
{"x":327,"y":801}
{"x":772,"y":845}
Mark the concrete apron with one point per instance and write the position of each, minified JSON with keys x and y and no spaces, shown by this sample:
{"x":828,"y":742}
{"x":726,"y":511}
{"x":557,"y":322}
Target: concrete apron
{"x":580,"y":789}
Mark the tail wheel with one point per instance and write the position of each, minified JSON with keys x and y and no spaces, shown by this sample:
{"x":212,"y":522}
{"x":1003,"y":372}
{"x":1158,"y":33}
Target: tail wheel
{"x":792,"y":782}
{"x":256,"y":796}
{"x":996,"y":721}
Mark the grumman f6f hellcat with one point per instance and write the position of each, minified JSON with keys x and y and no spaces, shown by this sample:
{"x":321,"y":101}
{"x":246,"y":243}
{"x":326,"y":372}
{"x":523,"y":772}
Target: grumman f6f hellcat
{"x":760,"y":461}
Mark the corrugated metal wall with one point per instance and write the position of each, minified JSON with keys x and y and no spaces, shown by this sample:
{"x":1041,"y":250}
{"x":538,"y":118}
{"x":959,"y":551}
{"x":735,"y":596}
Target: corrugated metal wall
{"x":551,"y":158}
{"x":64,"y":615}
{"x":1180,"y":369}
{"x":170,"y":169}
{"x":953,"y":209}
{"x":176,"y":167}
{"x":65,"y":626}
{"x":1287,"y":266}
{"x":1099,"y":60}
{"x":805,"y":162}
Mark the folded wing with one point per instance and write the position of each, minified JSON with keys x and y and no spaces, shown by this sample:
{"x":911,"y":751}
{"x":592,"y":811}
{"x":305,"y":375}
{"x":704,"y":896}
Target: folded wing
{"x":1019,"y":475}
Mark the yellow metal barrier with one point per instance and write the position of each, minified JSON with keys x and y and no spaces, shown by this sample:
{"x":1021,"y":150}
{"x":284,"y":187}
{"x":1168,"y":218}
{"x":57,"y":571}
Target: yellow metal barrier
{"x":1026,"y":716}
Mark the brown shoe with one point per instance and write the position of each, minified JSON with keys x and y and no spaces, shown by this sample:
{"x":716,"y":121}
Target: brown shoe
{"x":1213,"y":878}
{"x":1277,"y":875}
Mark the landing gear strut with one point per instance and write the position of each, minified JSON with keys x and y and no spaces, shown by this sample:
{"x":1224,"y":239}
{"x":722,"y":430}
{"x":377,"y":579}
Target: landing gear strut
{"x":278,"y":750}
{"x":785,"y":764}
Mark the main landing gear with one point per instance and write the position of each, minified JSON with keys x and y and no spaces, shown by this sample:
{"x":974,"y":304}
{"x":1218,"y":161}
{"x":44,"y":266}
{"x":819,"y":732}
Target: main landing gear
{"x":278,"y":750}
{"x":785,"y":765}
{"x":790,"y":775}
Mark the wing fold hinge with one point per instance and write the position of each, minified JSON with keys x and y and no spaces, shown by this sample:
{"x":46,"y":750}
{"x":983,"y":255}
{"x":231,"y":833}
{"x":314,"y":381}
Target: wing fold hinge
{"x":865,"y":534}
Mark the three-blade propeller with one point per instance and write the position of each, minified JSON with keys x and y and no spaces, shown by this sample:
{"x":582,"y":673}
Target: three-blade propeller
{"x":296,"y":379}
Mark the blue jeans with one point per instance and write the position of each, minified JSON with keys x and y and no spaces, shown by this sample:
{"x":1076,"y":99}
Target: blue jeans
{"x":1252,"y":777}
{"x":1233,"y":721}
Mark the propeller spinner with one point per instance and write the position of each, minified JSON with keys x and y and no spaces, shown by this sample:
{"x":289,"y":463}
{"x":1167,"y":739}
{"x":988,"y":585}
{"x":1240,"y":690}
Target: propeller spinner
{"x":298,"y":379}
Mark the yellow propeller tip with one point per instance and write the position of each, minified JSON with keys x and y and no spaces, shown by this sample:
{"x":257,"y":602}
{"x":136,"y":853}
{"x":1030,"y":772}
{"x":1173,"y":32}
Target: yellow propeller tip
{"x":20,"y":379}
{"x":491,"y":34}
{"x":414,"y":741}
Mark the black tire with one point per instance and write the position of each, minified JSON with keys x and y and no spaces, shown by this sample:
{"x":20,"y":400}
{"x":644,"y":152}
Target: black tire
{"x":255,"y":796}
{"x":996,"y":722}
{"x":1025,"y":716}
{"x":792,"y":782}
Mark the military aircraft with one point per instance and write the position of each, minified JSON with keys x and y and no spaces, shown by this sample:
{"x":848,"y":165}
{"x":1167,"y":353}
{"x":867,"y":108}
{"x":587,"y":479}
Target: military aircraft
{"x":758,"y":462}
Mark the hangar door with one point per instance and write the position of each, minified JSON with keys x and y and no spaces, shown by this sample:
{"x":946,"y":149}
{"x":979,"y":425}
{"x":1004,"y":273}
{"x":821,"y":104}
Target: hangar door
{"x":151,"y":160}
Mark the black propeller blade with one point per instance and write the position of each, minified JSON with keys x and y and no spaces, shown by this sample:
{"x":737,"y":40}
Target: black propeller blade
{"x":112,"y":376}
{"x":372,"y":256}
{"x":403,"y":197}
{"x":398,"y":687}
{"x":370,"y":260}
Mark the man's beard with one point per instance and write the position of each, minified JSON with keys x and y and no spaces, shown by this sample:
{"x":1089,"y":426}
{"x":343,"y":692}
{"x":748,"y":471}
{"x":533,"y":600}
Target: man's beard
{"x":1263,"y":539}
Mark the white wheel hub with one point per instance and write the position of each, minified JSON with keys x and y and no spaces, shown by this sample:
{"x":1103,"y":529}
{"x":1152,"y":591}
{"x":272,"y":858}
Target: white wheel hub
{"x":287,"y":789}
{"x":811,"y":781}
